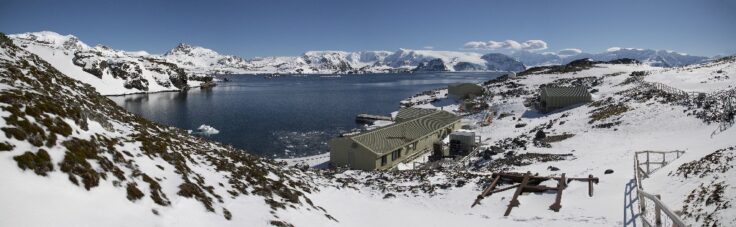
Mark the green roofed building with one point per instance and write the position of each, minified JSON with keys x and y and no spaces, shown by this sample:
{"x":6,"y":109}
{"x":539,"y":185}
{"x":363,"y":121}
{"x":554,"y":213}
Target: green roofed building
{"x":551,"y":98}
{"x":464,"y":90}
{"x":385,"y":147}
{"x":406,"y":114}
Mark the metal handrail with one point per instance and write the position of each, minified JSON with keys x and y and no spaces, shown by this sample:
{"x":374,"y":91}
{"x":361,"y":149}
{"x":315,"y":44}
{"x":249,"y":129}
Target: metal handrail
{"x":659,"y":206}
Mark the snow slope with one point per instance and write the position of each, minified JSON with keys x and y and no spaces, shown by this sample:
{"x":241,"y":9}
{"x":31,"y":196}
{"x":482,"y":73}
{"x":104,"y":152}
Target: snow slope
{"x":603,"y":140}
{"x":71,"y":157}
{"x":203,"y":60}
{"x":109,"y":71}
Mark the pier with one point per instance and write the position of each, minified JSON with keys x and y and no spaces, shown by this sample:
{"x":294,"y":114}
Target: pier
{"x":368,"y":118}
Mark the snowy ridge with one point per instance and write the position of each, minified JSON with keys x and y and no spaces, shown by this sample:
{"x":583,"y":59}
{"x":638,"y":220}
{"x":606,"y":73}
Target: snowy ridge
{"x":109,"y":71}
{"x":203,"y":60}
{"x":200,"y":60}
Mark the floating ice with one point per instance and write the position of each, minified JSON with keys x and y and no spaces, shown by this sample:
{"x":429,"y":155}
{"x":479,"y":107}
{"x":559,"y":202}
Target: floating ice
{"x":206,"y":130}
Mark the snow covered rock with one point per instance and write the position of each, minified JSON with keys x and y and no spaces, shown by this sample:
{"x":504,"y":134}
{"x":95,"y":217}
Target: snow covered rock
{"x":434,"y":65}
{"x":202,"y":60}
{"x":501,"y":62}
{"x":109,"y":71}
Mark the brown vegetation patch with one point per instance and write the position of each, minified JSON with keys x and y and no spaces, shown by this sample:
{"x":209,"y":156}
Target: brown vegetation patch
{"x":607,"y":111}
{"x":191,"y":190}
{"x":705,"y":202}
{"x":5,"y":146}
{"x":40,"y":162}
{"x":133,"y":192}
{"x":717,"y":162}
{"x":75,"y":162}
{"x":280,"y":224}
{"x":557,"y":138}
{"x":506,"y":163}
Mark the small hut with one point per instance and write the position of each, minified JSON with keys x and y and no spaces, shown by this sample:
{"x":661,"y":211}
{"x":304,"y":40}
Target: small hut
{"x":551,"y":98}
{"x":464,"y":90}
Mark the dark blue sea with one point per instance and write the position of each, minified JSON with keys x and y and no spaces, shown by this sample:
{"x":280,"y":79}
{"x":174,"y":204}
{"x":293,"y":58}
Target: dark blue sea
{"x":287,"y":116}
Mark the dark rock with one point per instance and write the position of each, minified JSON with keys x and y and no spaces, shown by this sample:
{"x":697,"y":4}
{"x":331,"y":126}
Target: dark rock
{"x":608,"y":171}
{"x":389,"y":195}
{"x":466,"y":66}
{"x":434,"y":65}
{"x":552,"y":168}
{"x":460,"y":183}
{"x":540,"y":135}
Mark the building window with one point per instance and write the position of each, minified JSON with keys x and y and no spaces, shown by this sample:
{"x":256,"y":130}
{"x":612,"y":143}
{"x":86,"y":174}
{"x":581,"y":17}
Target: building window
{"x":396,"y":155}
{"x":383,"y":160}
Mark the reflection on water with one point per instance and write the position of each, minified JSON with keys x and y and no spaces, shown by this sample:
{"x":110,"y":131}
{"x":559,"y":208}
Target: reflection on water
{"x":289,"y":115}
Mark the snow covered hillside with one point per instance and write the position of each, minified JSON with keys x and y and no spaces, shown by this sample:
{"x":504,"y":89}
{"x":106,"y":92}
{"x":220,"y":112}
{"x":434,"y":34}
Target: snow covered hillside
{"x":71,"y":157}
{"x":109,"y":71}
{"x":626,"y":116}
{"x":203,"y":60}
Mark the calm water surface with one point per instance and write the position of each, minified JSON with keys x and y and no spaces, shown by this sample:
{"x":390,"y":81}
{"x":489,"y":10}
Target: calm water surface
{"x":287,"y":116}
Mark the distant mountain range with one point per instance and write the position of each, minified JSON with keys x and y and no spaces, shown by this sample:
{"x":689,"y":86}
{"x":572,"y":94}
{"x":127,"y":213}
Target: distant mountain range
{"x":121,"y":72}
{"x":659,"y":58}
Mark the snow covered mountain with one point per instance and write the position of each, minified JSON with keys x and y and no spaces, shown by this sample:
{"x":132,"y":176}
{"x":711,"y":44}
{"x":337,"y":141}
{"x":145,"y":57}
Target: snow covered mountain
{"x":115,"y":72}
{"x":659,"y":58}
{"x":109,"y":71}
{"x":327,"y":62}
{"x":71,"y":157}
{"x":203,"y":60}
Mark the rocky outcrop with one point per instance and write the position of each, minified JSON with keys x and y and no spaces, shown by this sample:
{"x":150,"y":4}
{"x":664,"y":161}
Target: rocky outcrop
{"x":501,"y":62}
{"x":465,"y":66}
{"x":110,"y":71}
{"x":434,"y":65}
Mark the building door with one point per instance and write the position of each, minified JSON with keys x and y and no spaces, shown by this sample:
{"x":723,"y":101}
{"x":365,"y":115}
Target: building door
{"x":351,"y":159}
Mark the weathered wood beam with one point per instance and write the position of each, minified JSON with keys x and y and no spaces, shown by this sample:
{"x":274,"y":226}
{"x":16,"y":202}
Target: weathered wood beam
{"x":515,"y":200}
{"x":561,"y":185}
{"x":487,"y":191}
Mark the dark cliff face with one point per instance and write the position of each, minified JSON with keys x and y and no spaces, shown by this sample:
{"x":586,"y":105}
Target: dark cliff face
{"x":501,"y":62}
{"x":466,"y":66}
{"x":434,"y":65}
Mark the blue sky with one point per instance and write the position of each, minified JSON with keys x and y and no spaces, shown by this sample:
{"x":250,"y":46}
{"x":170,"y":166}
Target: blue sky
{"x":266,"y":28}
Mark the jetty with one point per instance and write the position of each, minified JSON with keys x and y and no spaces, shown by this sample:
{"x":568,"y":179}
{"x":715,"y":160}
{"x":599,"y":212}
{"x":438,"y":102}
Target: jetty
{"x":368,"y":118}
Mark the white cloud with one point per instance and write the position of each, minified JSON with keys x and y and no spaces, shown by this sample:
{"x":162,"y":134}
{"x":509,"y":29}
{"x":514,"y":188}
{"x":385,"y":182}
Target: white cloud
{"x":613,"y":49}
{"x":529,"y":45}
{"x":569,"y":52}
{"x":428,"y":47}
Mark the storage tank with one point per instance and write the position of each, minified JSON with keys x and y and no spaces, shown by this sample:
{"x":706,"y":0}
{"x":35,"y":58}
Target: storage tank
{"x":461,"y":143}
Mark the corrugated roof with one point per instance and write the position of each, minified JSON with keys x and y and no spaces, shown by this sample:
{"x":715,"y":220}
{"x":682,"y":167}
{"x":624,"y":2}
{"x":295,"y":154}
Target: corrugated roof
{"x":565,"y":91}
{"x":457,"y":85}
{"x":392,"y":137}
{"x":410,"y":113}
